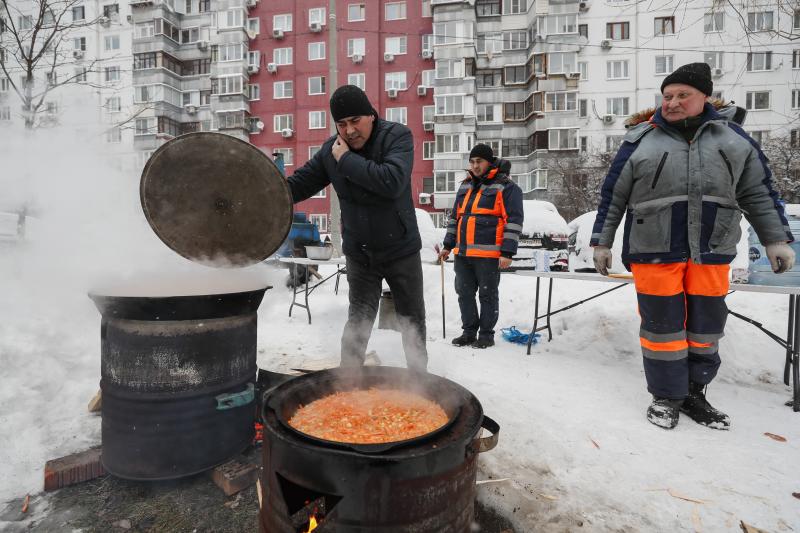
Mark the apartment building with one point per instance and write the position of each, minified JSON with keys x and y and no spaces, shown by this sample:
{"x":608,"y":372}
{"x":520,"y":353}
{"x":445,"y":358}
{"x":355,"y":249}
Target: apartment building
{"x":543,"y":82}
{"x":84,"y":74}
{"x":383,"y":46}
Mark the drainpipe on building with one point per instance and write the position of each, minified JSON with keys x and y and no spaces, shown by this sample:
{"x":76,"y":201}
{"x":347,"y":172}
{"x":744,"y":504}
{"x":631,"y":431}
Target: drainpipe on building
{"x":334,"y":224}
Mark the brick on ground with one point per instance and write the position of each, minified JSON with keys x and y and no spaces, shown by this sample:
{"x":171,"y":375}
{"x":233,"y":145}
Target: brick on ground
{"x":72,"y":469}
{"x":235,"y":475}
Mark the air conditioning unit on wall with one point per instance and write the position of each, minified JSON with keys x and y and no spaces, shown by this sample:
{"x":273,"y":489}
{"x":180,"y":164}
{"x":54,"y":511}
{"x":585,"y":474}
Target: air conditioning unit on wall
{"x":315,"y":27}
{"x":388,"y":57}
{"x":422,"y":90}
{"x":287,"y":132}
{"x":278,"y":34}
{"x":606,"y":44}
{"x":608,"y":119}
{"x":392,"y":93}
{"x":357,"y":58}
{"x":272,"y":68}
{"x":424,"y":198}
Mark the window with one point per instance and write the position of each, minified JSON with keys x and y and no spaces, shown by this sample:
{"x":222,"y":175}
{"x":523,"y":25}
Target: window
{"x":445,"y":32}
{"x":25,"y":22}
{"x":561,"y":101}
{"x":4,"y":85}
{"x":562,"y":62}
{"x":558,"y":24}
{"x":664,"y":64}
{"x":617,"y":106}
{"x":428,"y":149}
{"x":316,"y":51}
{"x":114,"y":135}
{"x":79,"y":43}
{"x":143,"y":30}
{"x":316,"y":120}
{"x":254,"y":91}
{"x":487,"y":8}
{"x":282,"y":22}
{"x":515,"y":40}
{"x":396,"y":45}
{"x":5,"y":113}
{"x":757,"y":61}
{"x":583,"y":68}
{"x":316,"y":14}
{"x":449,"y":68}
{"x":713,"y":59}
{"x":312,"y":151}
{"x":664,"y":25}
{"x":111,"y":11}
{"x":111,"y":73}
{"x":283,"y":89}
{"x":617,"y":70}
{"x":321,"y":221}
{"x":583,"y":30}
{"x":145,"y":126}
{"x":427,"y":78}
{"x":426,"y":8}
{"x":485,"y":113}
{"x":288,"y":155}
{"x":446,"y":144}
{"x":231,"y":18}
{"x":395,"y":80}
{"x":759,"y":136}
{"x":190,"y":35}
{"x":356,"y":46}
{"x":230,"y":52}
{"x":759,"y":20}
{"x":254,"y":25}
{"x":78,"y":13}
{"x":449,"y":104}
{"x":428,"y":112}
{"x":227,"y":85}
{"x":112,"y":42}
{"x":488,"y":78}
{"x":583,"y":108}
{"x":204,"y":6}
{"x":395,"y":11}
{"x":796,"y":19}
{"x":794,"y":138}
{"x":618,"y":31}
{"x":397,"y":114}
{"x":356,"y":13}
{"x":358,"y":79}
{"x":80,"y":75}
{"x":563,"y":139}
{"x":113,"y":104}
{"x":795,"y":58}
{"x":613,"y":142}
{"x":316,"y":85}
{"x":445,"y":180}
{"x":714,"y":22}
{"x":282,"y":56}
{"x":513,"y":7}
{"x":427,"y":43}
{"x":282,"y":122}
{"x":490,"y":43}
{"x":757,"y":100}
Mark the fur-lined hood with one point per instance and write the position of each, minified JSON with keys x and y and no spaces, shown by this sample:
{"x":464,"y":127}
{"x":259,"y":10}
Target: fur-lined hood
{"x":727,"y":109}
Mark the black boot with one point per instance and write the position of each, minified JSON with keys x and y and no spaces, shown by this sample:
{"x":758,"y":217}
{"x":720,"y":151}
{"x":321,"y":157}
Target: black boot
{"x":664,"y":412}
{"x":699,"y":410}
{"x":483,"y":343}
{"x":464,"y":340}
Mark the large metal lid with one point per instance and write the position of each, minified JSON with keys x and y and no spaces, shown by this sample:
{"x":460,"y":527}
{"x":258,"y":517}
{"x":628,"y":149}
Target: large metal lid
{"x":216,"y":199}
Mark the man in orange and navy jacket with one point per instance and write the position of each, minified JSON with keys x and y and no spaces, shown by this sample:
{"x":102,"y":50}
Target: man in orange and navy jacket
{"x":483,"y":232}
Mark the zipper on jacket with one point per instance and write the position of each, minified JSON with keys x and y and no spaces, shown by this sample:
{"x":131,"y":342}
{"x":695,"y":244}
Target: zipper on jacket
{"x":659,"y":169}
{"x":727,"y":164}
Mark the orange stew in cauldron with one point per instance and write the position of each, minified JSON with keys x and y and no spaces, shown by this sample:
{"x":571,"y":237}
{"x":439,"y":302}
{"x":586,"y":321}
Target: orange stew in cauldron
{"x":370,"y":416}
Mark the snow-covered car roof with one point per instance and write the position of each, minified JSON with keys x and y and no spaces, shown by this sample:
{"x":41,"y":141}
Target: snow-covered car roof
{"x":542,"y":218}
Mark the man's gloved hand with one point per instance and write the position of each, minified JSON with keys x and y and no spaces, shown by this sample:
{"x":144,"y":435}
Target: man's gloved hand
{"x":781,"y":257}
{"x":602,"y":259}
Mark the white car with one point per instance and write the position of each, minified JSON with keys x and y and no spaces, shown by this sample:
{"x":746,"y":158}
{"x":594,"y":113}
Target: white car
{"x":581,"y":254}
{"x":543,"y":229}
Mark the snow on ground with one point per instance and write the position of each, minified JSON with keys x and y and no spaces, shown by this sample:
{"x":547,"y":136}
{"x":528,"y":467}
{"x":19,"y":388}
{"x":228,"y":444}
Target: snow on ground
{"x":574,"y":440}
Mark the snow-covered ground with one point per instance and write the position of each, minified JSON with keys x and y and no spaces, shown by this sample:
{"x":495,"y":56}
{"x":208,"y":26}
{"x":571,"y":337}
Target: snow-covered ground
{"x":574,"y":442}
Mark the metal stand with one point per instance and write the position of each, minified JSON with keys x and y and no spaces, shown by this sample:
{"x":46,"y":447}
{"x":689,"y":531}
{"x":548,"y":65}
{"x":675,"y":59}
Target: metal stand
{"x":549,"y":313}
{"x":306,"y":290}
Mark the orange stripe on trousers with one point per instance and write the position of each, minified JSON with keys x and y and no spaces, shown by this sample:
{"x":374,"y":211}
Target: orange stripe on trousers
{"x":670,"y":346}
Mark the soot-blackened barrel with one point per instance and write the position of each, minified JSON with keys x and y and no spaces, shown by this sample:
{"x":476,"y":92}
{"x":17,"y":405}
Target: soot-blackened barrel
{"x":177,"y":378}
{"x":425,"y":485}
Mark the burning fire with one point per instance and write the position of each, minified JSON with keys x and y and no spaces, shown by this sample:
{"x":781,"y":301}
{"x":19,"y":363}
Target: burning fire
{"x":312,"y":525}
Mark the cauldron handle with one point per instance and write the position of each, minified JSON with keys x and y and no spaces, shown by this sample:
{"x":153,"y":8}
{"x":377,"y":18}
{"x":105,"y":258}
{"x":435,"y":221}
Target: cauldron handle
{"x":487,"y":443}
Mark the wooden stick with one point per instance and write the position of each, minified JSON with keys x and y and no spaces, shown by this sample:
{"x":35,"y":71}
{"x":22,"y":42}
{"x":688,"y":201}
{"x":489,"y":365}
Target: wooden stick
{"x":444,"y":334}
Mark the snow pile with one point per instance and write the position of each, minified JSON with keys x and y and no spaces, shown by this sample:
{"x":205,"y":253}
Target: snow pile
{"x":542,"y":218}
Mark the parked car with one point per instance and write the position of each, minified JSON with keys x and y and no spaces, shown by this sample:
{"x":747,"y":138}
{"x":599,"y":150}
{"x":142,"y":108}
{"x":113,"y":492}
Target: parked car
{"x":543,"y":229}
{"x":581,"y":254}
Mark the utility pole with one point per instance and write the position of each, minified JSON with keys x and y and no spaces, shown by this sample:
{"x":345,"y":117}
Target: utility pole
{"x":335,"y":216}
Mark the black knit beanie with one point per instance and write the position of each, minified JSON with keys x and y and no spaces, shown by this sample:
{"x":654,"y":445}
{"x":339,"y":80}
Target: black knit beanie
{"x":483,"y":151}
{"x":698,"y":75}
{"x":350,"y":101}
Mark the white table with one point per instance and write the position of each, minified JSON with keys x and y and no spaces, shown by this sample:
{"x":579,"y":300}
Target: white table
{"x":791,"y":343}
{"x":308,"y":288}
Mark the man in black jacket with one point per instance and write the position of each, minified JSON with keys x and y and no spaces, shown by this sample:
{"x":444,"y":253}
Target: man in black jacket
{"x":369,"y":165}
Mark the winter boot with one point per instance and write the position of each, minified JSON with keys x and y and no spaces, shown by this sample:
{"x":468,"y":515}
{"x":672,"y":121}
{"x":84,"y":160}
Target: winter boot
{"x":464,"y":340}
{"x":664,"y":412}
{"x":483,"y":343}
{"x":699,"y":410}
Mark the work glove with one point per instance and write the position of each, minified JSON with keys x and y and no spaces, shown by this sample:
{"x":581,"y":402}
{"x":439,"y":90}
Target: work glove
{"x":781,"y":257}
{"x":602,"y":259}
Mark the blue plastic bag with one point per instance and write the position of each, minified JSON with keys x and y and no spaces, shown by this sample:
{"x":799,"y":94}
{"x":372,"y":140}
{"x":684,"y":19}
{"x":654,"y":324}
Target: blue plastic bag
{"x":514,"y":335}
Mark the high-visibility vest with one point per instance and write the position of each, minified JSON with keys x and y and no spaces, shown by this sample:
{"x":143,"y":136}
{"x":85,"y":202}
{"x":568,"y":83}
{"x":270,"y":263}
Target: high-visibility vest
{"x":481,"y":220}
